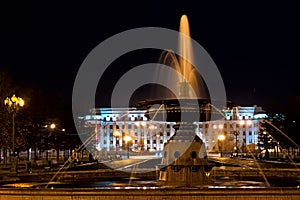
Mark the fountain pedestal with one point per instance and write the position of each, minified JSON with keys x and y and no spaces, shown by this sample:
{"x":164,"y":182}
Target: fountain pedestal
{"x":184,"y":161}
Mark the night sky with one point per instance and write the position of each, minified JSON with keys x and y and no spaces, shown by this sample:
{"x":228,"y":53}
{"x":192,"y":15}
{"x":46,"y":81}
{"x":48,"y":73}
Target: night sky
{"x":254,"y":45}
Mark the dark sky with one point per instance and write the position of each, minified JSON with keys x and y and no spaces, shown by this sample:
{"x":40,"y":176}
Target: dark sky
{"x":255,"y":45}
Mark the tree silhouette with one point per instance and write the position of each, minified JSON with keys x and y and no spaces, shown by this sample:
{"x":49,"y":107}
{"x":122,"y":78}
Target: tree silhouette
{"x":278,"y":131}
{"x":6,"y":90}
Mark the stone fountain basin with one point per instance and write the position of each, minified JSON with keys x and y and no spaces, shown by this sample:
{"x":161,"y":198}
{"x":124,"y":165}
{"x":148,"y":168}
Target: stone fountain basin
{"x":174,"y":108}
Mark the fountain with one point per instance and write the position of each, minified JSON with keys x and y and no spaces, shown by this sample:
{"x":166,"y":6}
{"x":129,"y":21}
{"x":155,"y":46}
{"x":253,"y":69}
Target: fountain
{"x":184,"y":162}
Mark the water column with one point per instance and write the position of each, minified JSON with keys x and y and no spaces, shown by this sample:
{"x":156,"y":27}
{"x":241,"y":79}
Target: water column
{"x":185,"y":49}
{"x":184,"y":161}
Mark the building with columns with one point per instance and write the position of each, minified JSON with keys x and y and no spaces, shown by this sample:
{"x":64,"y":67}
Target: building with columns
{"x":239,"y":127}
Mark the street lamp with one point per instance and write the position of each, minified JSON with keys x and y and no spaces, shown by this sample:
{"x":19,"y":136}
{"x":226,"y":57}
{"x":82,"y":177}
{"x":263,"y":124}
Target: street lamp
{"x":127,"y":138}
{"x":52,"y":126}
{"x":236,"y":134}
{"x":13,"y":104}
{"x":221,"y":138}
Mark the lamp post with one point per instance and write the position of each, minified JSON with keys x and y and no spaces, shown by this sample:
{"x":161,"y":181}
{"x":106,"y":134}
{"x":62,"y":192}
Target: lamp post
{"x":51,"y":128}
{"x":236,"y":142}
{"x":221,"y":138}
{"x":127,"y":138}
{"x":13,"y":104}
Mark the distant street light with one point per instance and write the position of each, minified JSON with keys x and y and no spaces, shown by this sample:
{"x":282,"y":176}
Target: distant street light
{"x":52,"y":127}
{"x":236,"y":134}
{"x":221,"y":138}
{"x":13,"y":104}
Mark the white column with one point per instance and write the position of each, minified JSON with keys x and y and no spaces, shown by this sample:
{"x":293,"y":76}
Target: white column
{"x":107,"y":137}
{"x":102,"y":137}
{"x":114,"y":142}
{"x":145,"y":137}
{"x":139,"y":135}
{"x":151,"y":139}
{"x":157,"y":141}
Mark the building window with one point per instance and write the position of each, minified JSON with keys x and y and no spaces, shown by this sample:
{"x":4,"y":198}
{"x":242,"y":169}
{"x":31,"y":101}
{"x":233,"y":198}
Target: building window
{"x":250,"y":132}
{"x":161,"y":141}
{"x":250,"y":140}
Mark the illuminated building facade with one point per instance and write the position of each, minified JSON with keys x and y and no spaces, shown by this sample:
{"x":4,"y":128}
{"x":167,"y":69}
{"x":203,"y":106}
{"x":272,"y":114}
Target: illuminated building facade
{"x":240,"y":128}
